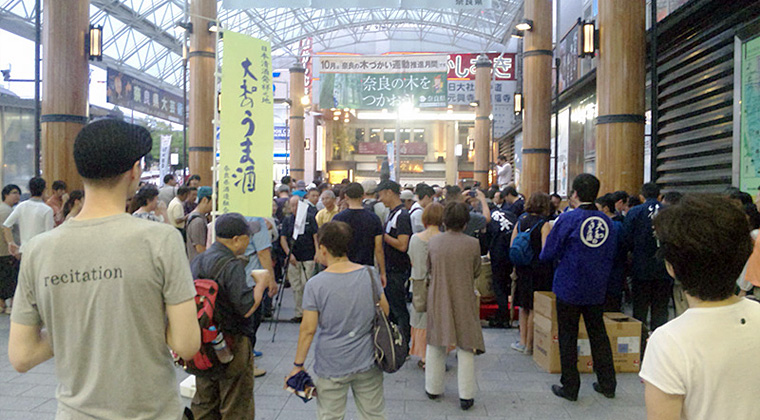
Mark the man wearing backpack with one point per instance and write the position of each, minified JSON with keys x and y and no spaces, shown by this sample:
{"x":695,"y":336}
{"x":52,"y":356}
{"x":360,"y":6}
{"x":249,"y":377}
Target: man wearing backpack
{"x":230,"y":397}
{"x":583,"y":244}
{"x":197,"y":229}
{"x":108,"y":292}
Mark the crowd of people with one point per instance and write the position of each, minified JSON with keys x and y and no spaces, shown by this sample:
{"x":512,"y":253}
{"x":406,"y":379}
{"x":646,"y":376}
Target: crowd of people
{"x":112,"y":267}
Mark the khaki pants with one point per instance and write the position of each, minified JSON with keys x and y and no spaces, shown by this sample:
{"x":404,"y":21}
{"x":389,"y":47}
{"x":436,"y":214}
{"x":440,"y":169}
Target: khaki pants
{"x":298,"y":275}
{"x":230,"y":398}
{"x":368,"y":396}
{"x":679,"y":298}
{"x":435,"y":371}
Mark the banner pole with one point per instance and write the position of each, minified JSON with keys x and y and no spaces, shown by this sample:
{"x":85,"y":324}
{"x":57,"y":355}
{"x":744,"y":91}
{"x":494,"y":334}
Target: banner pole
{"x":217,"y":134}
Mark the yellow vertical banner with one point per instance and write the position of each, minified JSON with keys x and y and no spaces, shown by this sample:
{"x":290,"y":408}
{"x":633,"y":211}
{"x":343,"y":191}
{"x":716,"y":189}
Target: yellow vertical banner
{"x":246,"y":136}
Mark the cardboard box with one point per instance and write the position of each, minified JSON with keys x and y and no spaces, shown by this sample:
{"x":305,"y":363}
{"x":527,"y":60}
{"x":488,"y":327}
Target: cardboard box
{"x":545,"y":303}
{"x":625,"y":338}
{"x":546,"y":345}
{"x":623,"y":331}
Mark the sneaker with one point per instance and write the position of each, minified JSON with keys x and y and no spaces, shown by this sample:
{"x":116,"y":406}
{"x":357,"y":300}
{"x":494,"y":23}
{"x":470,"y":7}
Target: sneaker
{"x":516,"y":346}
{"x":257,"y":353}
{"x":257,"y":373}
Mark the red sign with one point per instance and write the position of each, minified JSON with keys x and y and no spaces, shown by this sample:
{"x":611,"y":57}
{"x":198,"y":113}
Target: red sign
{"x":379,"y":148}
{"x":462,"y":66}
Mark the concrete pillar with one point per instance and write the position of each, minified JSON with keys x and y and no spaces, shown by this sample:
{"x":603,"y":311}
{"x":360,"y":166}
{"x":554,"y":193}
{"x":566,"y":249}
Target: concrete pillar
{"x":452,"y":161}
{"x":296,"y":121}
{"x":65,"y":73}
{"x":537,"y":85}
{"x":202,"y":61}
{"x":621,"y":84}
{"x":482,"y":120}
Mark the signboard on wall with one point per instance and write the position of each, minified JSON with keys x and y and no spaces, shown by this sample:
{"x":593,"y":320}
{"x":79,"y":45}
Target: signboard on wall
{"x":568,"y":55}
{"x":462,"y":66}
{"x":247,"y":132}
{"x":379,"y":148}
{"x":129,"y":92}
{"x":749,"y":165}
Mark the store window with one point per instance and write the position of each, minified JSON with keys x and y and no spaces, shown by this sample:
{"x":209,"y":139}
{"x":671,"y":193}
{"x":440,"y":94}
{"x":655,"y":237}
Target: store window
{"x":359,"y":135}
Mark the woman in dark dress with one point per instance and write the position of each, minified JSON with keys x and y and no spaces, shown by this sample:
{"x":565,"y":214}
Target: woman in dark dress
{"x":538,"y":275}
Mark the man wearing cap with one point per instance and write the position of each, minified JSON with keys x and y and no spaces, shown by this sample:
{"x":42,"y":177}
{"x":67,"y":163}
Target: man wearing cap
{"x":197,"y":230}
{"x":370,"y":201}
{"x":407,"y":199}
{"x":300,"y":190}
{"x":230,"y":397}
{"x":398,"y":267}
{"x":108,"y":292}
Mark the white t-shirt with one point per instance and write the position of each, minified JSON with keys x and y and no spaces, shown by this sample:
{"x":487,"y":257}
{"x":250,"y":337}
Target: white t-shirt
{"x":709,"y":355}
{"x":33,"y":217}
{"x":176,"y":210}
{"x":504,"y":173}
{"x":416,"y":215}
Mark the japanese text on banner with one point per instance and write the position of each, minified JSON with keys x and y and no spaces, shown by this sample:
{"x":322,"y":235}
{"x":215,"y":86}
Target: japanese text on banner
{"x":247,"y":128}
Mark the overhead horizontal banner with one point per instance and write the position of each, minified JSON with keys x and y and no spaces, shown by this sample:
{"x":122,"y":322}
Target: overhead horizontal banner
{"x":247,"y":129}
{"x":385,"y":64}
{"x":363,"y":4}
{"x":382,"y":91}
{"x":129,"y":92}
{"x":462,"y":66}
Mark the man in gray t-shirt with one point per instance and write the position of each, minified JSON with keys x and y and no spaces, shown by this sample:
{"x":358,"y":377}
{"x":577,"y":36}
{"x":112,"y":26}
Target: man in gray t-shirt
{"x":197,"y":229}
{"x":108,"y":292}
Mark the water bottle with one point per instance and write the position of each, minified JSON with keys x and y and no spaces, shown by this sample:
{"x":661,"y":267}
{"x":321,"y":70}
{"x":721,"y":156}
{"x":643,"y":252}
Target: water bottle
{"x":220,"y":347}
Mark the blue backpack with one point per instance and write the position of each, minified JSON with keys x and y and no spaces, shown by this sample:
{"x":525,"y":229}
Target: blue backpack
{"x":521,"y":251}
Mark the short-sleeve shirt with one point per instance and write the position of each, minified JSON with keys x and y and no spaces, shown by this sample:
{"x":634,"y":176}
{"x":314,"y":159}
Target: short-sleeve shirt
{"x":196,"y":233}
{"x":176,"y":210}
{"x":366,"y":227}
{"x":5,"y":211}
{"x":260,"y":240}
{"x":152,"y":216}
{"x":235,"y":298}
{"x":101,"y":288}
{"x":500,"y":235}
{"x":398,"y":223}
{"x":324,"y":215}
{"x":33,"y":217}
{"x":709,"y":355}
{"x":303,"y":247}
{"x":415,"y":214}
{"x":343,"y":345}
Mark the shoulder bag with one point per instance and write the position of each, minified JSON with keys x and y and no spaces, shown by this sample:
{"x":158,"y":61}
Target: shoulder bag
{"x":391,"y":347}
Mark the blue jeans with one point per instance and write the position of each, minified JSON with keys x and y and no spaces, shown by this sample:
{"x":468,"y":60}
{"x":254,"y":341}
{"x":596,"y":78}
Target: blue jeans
{"x":395,"y":292}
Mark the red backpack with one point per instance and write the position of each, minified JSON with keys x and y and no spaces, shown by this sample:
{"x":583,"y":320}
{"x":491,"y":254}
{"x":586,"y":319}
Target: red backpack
{"x":205,"y":363}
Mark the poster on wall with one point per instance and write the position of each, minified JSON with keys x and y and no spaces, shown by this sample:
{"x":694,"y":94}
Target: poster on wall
{"x":247,"y":129}
{"x":129,"y":92}
{"x":749,"y":169}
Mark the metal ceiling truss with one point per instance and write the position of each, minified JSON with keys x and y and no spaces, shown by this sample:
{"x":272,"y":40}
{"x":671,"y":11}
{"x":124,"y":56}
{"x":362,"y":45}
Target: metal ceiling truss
{"x":140,"y":38}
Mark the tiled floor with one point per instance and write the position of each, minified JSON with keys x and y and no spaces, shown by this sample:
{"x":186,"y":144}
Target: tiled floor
{"x":510,"y":386}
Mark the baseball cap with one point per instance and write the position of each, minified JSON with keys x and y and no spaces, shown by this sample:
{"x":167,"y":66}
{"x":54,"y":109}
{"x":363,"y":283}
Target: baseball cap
{"x":283,"y":188}
{"x":300,"y":184}
{"x":370,"y":186}
{"x":107,"y":148}
{"x":204,"y":192}
{"x":407,"y":195}
{"x":230,"y":225}
{"x":389,"y":185}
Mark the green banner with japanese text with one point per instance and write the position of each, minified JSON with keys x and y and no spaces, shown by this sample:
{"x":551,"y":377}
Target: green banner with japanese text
{"x":246,"y":136}
{"x":382,"y":91}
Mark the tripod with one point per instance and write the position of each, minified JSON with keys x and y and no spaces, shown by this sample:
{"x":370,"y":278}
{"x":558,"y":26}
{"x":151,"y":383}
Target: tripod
{"x":277,"y":303}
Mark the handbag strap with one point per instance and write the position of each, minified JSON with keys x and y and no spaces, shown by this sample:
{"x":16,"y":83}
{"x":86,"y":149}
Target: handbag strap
{"x":375,"y":298}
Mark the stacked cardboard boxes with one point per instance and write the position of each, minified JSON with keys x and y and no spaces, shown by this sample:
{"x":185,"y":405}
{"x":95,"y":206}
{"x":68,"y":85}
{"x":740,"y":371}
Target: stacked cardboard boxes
{"x":624,"y":333}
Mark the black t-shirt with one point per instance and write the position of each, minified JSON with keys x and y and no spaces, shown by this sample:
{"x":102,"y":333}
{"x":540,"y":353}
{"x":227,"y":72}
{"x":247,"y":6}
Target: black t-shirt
{"x":366,"y":226}
{"x":303,"y":247}
{"x":399,"y":223}
{"x":530,"y":221}
{"x":500,"y":235}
